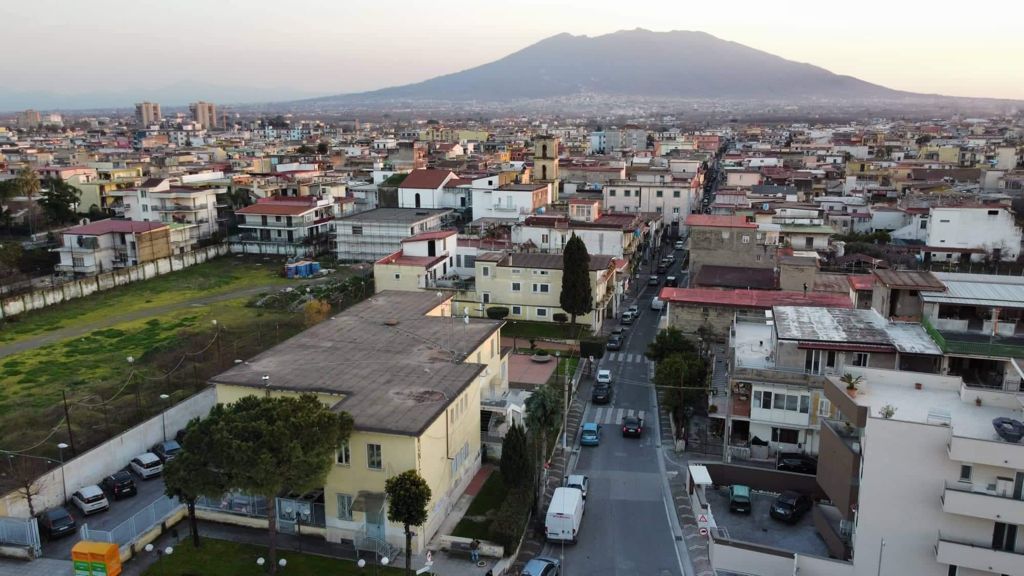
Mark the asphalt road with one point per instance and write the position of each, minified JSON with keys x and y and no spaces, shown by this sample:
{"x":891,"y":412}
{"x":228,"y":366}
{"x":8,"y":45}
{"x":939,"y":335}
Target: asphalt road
{"x":628,"y":527}
{"x":120,"y":511}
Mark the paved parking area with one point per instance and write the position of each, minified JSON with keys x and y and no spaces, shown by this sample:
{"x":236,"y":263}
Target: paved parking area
{"x":760,"y":528}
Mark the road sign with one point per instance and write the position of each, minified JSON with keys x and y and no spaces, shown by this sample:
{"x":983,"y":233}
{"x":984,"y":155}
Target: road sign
{"x":702,"y":520}
{"x":703,"y":531}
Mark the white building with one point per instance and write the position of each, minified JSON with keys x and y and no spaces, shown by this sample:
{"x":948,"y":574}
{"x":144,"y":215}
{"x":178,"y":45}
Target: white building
{"x":429,"y":188}
{"x":653,"y":191}
{"x":511,"y":201}
{"x":104,"y":245}
{"x":302,"y":223}
{"x":157,"y":200}
{"x":373,"y":234}
{"x":974,"y":232}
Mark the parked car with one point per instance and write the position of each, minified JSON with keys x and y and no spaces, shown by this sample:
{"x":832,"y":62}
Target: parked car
{"x":119,"y":485}
{"x":56,"y":522}
{"x":619,"y":331}
{"x":634,"y":309}
{"x":579,"y":482}
{"x":653,"y":279}
{"x":602,"y":393}
{"x":797,"y":462}
{"x":672,"y":282}
{"x":657,"y":303}
{"x":632,"y":426}
{"x":790,"y":506}
{"x":565,"y":512}
{"x":739,"y":499}
{"x":628,"y":317}
{"x":680,"y":245}
{"x":614,"y":342}
{"x":166,"y":451}
{"x":147,"y":465}
{"x":669,"y":259}
{"x":591,"y":435}
{"x":604,"y":376}
{"x":542,"y":566}
{"x":662,"y":268}
{"x":90,"y":499}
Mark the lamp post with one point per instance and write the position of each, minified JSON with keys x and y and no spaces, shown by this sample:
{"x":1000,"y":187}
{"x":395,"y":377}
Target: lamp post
{"x":163,"y":415}
{"x":266,"y":384}
{"x":63,"y":481}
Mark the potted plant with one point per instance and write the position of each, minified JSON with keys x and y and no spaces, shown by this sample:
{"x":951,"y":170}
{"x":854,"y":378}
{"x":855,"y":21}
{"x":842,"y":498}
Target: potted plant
{"x":851,"y":382}
{"x":917,"y":385}
{"x":977,"y":400}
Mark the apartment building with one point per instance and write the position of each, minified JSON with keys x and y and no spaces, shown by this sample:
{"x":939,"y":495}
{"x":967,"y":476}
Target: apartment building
{"x":731,"y":241}
{"x":422,"y":413}
{"x":147,"y":114}
{"x":287,"y":225}
{"x":158,"y":200}
{"x":371,"y":235}
{"x":619,"y":235}
{"x":104,"y":245}
{"x":961,"y":233}
{"x":205,"y":113}
{"x":422,"y":260}
{"x":511,"y":201}
{"x":654,"y":191}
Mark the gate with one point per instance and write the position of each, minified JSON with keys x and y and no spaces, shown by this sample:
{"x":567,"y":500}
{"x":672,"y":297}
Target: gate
{"x":20,"y":532}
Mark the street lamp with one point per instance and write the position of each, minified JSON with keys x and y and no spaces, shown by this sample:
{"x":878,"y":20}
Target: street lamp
{"x":63,"y":481}
{"x":266,"y":384}
{"x":163,"y":415}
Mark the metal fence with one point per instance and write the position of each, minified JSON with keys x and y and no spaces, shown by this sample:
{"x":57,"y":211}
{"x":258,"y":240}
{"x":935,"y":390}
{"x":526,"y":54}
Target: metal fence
{"x":20,"y":532}
{"x":235,"y":503}
{"x":143,"y":520}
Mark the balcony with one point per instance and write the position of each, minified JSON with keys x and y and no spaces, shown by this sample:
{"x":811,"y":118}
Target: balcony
{"x":839,"y":474}
{"x":179,"y":208}
{"x":997,"y":453}
{"x":968,"y":343}
{"x":980,"y":501}
{"x":978,"y":556}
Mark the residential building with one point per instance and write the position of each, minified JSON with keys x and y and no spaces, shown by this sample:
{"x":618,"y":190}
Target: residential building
{"x":428,"y":188}
{"x":205,"y":113}
{"x":652,"y":191}
{"x":294,"y":225}
{"x":619,"y":235}
{"x":371,"y":235}
{"x":731,"y":241}
{"x":104,"y":245}
{"x":29,"y":119}
{"x":415,"y":387}
{"x":147,"y":114}
{"x":511,"y":201}
{"x":158,"y":200}
{"x":422,"y":260}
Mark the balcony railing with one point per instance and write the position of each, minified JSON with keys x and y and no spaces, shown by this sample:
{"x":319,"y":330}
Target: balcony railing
{"x":180,"y":207}
{"x":994,"y":452}
{"x":982,"y":501}
{"x":976,"y":343}
{"x":978,"y":556}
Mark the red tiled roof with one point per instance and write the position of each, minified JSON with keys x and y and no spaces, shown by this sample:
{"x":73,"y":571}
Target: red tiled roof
{"x":425,"y":178}
{"x":434,"y":235}
{"x":719,"y":221}
{"x":763,"y":299}
{"x":112,"y":225}
{"x":861,"y":281}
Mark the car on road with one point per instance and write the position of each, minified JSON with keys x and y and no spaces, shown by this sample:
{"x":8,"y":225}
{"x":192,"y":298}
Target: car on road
{"x":797,"y":462}
{"x":652,"y":280}
{"x":632,"y":426}
{"x":662,"y":268}
{"x":669,"y":259}
{"x":591,"y":435}
{"x":579,"y":482}
{"x":634,"y":308}
{"x":739,"y":499}
{"x":790,"y":506}
{"x":542,"y":566}
{"x":90,"y":499}
{"x":627,"y":317}
{"x":619,"y":331}
{"x":680,"y":245}
{"x":119,"y":485}
{"x":147,"y":465}
{"x":166,"y":451}
{"x":672,"y":282}
{"x":602,"y":393}
{"x":56,"y":522}
{"x":657,"y":303}
{"x":604,"y":376}
{"x":614,"y":342}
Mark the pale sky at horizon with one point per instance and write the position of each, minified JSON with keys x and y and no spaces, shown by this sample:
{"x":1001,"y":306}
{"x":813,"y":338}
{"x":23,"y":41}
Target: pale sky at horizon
{"x":319,"y":48}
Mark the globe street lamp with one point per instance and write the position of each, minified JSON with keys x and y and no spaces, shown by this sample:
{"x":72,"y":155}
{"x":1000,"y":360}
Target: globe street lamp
{"x":63,"y":481}
{"x":163,"y":416}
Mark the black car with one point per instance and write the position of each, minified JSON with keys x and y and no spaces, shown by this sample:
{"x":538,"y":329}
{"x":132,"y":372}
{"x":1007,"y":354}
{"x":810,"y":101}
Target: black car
{"x":119,"y":485}
{"x":790,"y":506}
{"x":672,"y":282}
{"x":602,"y":394}
{"x":56,"y":523}
{"x":652,"y":280}
{"x":166,"y":451}
{"x":797,"y":462}
{"x":632,"y":426}
{"x":614,"y":342}
{"x":662,"y":268}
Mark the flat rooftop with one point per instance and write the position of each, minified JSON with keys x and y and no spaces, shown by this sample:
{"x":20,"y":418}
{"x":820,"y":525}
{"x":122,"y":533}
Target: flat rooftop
{"x":983,"y":290}
{"x":394,"y":368}
{"x":753,"y":344}
{"x":397,"y":215}
{"x":760,"y":528}
{"x":858,"y":327}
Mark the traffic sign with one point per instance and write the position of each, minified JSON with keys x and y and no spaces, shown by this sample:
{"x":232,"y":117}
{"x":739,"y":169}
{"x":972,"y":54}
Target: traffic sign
{"x":702,"y":521}
{"x":703,"y":531}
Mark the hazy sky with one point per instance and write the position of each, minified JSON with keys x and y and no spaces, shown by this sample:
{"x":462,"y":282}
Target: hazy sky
{"x":133,"y":48}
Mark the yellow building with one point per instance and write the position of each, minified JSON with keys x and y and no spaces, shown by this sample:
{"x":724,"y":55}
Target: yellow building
{"x":412,"y":378}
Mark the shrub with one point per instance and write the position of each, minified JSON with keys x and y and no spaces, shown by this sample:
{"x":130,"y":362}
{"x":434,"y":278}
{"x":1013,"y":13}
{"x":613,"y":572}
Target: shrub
{"x":497,"y":312}
{"x":560,"y":317}
{"x":510,"y":521}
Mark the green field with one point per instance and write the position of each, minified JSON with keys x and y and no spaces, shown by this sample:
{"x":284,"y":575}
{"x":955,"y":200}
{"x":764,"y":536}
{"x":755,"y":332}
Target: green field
{"x":222,"y":558}
{"x":219,"y":276}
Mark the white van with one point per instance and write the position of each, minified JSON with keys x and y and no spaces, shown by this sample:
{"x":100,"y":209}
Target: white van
{"x":564,"y":515}
{"x":657,"y":303}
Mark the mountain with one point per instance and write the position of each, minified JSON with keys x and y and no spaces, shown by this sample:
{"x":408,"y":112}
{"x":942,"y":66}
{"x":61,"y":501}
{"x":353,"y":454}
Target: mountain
{"x":678,"y":64}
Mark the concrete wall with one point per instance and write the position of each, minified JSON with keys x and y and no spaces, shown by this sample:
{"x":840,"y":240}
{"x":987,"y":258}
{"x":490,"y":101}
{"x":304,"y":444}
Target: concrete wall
{"x":44,"y":297}
{"x":275,"y":248}
{"x":90,"y":467}
{"x":764,"y":479}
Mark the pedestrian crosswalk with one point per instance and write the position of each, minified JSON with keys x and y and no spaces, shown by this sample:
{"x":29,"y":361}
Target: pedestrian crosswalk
{"x":613,"y":415}
{"x":627,"y":357}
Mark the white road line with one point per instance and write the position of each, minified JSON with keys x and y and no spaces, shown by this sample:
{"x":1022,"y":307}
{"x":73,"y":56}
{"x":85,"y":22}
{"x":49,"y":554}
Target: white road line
{"x":618,"y":415}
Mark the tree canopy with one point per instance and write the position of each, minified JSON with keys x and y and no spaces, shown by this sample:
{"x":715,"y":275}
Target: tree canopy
{"x":408,"y":498}
{"x":516,"y":467}
{"x":668,"y":342}
{"x":192,"y":474}
{"x":59,"y":200}
{"x":576,"y":297}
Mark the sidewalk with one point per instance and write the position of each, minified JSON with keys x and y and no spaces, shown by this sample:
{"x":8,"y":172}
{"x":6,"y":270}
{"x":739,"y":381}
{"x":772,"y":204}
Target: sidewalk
{"x":40,"y":567}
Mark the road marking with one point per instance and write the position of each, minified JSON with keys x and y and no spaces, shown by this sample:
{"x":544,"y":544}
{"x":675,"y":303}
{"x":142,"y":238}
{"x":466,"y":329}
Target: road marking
{"x":618,"y":416}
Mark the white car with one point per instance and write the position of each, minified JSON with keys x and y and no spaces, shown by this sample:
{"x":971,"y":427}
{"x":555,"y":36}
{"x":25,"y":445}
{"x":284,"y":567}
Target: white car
{"x":657,"y":303}
{"x":147,"y":465}
{"x":578,"y":481}
{"x":680,"y":245}
{"x":604,"y":376}
{"x":90,"y":500}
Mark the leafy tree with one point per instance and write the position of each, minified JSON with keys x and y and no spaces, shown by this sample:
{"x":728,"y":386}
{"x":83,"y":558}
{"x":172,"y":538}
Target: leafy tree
{"x":60,"y":200}
{"x":543,"y":409}
{"x":515,"y":466}
{"x":576,"y":297}
{"x":322,"y":148}
{"x":682,"y":379}
{"x":510,"y":519}
{"x":497,"y":312}
{"x":273,"y":447}
{"x":408,"y":498}
{"x":27,"y":184}
{"x":668,"y":342}
{"x":192,"y":473}
{"x":304,"y":149}
{"x":923,"y":139}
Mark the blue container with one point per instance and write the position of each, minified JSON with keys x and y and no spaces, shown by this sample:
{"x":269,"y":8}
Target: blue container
{"x":289,"y":271}
{"x":314,"y":267}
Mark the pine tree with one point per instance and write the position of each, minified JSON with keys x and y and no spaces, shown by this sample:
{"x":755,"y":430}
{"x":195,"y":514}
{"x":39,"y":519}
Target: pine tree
{"x":576,"y":297}
{"x":516,"y":469}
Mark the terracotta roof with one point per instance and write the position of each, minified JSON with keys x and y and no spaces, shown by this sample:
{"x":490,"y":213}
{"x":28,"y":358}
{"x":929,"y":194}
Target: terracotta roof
{"x":719,"y":221}
{"x":433,"y":235}
{"x":426,"y":178}
{"x":112,"y":225}
{"x":909,"y":280}
{"x":861,"y":281}
{"x":763,"y":299}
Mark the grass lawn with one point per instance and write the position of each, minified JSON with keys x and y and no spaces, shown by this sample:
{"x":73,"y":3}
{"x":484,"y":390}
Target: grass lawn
{"x":565,"y":365}
{"x":524,"y":329}
{"x":222,"y":558}
{"x":211,"y":278}
{"x":477,"y":521}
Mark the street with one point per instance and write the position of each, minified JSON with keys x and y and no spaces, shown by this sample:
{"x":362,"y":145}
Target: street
{"x":628,"y":527}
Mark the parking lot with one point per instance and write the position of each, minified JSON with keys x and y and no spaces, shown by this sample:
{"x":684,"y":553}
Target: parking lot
{"x":120,"y":511}
{"x":760,"y":528}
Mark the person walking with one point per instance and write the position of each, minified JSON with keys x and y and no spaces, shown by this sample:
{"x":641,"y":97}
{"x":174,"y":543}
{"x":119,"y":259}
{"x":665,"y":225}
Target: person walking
{"x":474,"y":550}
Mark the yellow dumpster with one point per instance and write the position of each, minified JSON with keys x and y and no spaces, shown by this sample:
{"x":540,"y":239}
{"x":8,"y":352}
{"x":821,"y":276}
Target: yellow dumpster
{"x":96,"y":559}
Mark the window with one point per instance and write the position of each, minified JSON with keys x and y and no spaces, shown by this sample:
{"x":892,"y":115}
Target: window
{"x":824,"y":407}
{"x":658,"y":209}
{"x":145,"y":207}
{"x":344,"y":507}
{"x":374,"y":457}
{"x":517,"y":310}
{"x":924,"y":224}
{"x":343,"y":455}
{"x":805,"y":404}
{"x":675,"y":193}
{"x":398,"y":276}
{"x":517,"y":286}
{"x":611,"y":193}
{"x":543,"y":272}
{"x":785,"y":436}
{"x":485,"y":297}
{"x":542,"y":312}
{"x":746,"y":238}
{"x":517,"y":270}
{"x":675,"y":210}
{"x":277,"y":218}
{"x":625,"y":193}
{"x":142,"y":194}
{"x":993,"y":212}
{"x":544,"y":239}
{"x":766,"y":400}
{"x":965,"y":473}
{"x":658,"y":194}
{"x":357,"y":230}
{"x":77,"y":261}
{"x":541,"y":288}
{"x":486,"y":271}
{"x":860,"y":358}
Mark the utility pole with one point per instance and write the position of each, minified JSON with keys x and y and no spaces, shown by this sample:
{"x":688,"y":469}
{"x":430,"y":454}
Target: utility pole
{"x":67,"y":421}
